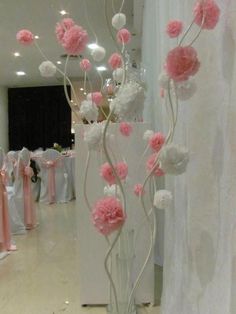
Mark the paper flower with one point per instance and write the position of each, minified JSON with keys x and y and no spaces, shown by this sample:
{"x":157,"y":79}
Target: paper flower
{"x":118,"y":75}
{"x":93,"y":136}
{"x":98,"y":53}
{"x":173,"y":159}
{"x":174,"y":28}
{"x":107,"y":173}
{"x":85,"y":65}
{"x":118,"y":21}
{"x":25,"y":37}
{"x":112,"y":190}
{"x":75,"y":40}
{"x":115,"y":61}
{"x":151,"y":162}
{"x":138,"y":189}
{"x":147,"y":135}
{"x":123,"y":36}
{"x":88,"y":110}
{"x":207,"y":10}
{"x":95,"y":97}
{"x":121,"y":170}
{"x":129,"y":101}
{"x":125,"y":128}
{"x":47,"y":69}
{"x":185,"y":90}
{"x":62,"y":27}
{"x":108,"y":215}
{"x":162,"y":199}
{"x":164,"y":79}
{"x":156,"y":141}
{"x":181,"y":63}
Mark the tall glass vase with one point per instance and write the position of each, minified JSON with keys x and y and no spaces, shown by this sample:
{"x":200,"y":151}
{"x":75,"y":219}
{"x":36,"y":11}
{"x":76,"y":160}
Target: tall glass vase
{"x":122,"y":272}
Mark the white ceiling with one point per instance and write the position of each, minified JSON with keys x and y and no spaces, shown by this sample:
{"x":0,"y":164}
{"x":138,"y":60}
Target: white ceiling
{"x":41,"y":17}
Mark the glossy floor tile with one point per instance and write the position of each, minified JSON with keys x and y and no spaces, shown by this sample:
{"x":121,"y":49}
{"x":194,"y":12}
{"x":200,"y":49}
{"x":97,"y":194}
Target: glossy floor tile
{"x":41,"y":277}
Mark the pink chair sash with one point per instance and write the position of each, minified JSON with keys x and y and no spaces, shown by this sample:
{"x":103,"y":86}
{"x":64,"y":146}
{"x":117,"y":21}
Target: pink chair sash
{"x":5,"y":232}
{"x":29,"y":211}
{"x":51,"y":165}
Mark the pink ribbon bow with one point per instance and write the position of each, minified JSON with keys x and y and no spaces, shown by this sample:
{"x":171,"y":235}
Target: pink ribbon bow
{"x":51,"y":166}
{"x":29,"y":210}
{"x":5,"y":233}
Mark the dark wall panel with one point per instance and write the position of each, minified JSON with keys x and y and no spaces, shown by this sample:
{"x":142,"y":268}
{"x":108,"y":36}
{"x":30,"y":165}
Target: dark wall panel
{"x":38,"y":117}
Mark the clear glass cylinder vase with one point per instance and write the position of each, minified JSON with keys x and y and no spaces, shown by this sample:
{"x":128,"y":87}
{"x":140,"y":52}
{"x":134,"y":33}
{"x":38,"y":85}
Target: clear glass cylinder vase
{"x":122,"y":270}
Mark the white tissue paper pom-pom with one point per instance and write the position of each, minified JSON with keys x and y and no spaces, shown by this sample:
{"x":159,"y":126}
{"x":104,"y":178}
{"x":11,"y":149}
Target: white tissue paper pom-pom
{"x":98,"y":53}
{"x":47,"y":69}
{"x":89,"y":96}
{"x":88,"y":110}
{"x":185,"y":90}
{"x":173,"y":159}
{"x":162,"y":199}
{"x":147,"y":135}
{"x":93,"y":136}
{"x":112,"y":190}
{"x":118,"y":20}
{"x":164,"y":80}
{"x":118,"y":75}
{"x":129,"y":102}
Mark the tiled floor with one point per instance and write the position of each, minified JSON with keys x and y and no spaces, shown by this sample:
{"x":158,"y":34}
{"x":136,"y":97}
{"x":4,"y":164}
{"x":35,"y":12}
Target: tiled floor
{"x":42,"y":276}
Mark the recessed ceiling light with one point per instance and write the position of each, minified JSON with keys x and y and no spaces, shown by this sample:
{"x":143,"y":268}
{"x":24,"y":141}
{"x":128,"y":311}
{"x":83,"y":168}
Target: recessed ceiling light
{"x":16,"y":54}
{"x":92,"y":46}
{"x":58,"y":62}
{"x":85,"y":93}
{"x":36,"y":37}
{"x":63,"y":12}
{"x":20,"y":73}
{"x":81,"y":88}
{"x":101,"y":68}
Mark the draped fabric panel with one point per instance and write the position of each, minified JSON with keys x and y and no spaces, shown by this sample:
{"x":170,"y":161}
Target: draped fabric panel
{"x":38,"y":117}
{"x":200,"y":229}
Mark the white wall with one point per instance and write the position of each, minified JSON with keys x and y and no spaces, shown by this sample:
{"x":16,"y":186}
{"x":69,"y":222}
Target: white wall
{"x":3,"y":118}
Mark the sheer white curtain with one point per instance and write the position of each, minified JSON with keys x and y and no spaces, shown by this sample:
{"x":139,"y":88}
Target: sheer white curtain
{"x":200,"y":229}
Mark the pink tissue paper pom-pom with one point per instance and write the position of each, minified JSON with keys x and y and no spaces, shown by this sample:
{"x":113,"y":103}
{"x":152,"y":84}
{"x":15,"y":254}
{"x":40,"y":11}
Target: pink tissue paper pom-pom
{"x":207,"y":10}
{"x":121,"y":169}
{"x":108,"y":215}
{"x":174,"y":28}
{"x":97,"y":98}
{"x":125,"y":128}
{"x":85,"y":65}
{"x":156,"y":141}
{"x":138,"y":189}
{"x":75,"y":40}
{"x":25,"y":37}
{"x":62,"y":27}
{"x":150,"y":164}
{"x":107,"y":174}
{"x":115,"y":61}
{"x":123,"y":36}
{"x":181,"y":63}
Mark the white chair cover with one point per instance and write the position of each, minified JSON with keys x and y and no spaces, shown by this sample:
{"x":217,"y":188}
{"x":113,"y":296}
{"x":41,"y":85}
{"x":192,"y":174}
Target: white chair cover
{"x":55,"y":185}
{"x":10,"y":164}
{"x":22,"y":188}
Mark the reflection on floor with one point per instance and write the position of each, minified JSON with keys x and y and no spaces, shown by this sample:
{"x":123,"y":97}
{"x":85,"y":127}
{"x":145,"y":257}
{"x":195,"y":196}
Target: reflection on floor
{"x":42,"y":276}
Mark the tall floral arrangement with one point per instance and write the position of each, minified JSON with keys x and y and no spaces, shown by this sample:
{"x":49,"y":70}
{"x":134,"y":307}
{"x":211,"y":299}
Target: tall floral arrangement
{"x":109,"y":213}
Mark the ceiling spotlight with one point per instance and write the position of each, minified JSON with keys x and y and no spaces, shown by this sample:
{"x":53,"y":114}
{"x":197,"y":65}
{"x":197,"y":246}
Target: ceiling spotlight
{"x":85,"y":93}
{"x":63,"y":12}
{"x":92,"y":46}
{"x":16,"y":54}
{"x":101,"y":68}
{"x":58,"y":62}
{"x":20,"y":73}
{"x":36,"y":37}
{"x":81,"y":88}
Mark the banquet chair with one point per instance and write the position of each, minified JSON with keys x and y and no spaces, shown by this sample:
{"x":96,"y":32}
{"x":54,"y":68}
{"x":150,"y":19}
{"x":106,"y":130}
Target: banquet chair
{"x":23,"y":188}
{"x":10,"y":164}
{"x":5,"y":231}
{"x":55,"y":187}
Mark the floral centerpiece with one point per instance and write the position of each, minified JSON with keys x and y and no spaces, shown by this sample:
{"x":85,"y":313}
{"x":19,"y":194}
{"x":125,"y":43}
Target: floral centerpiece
{"x":109,"y":213}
